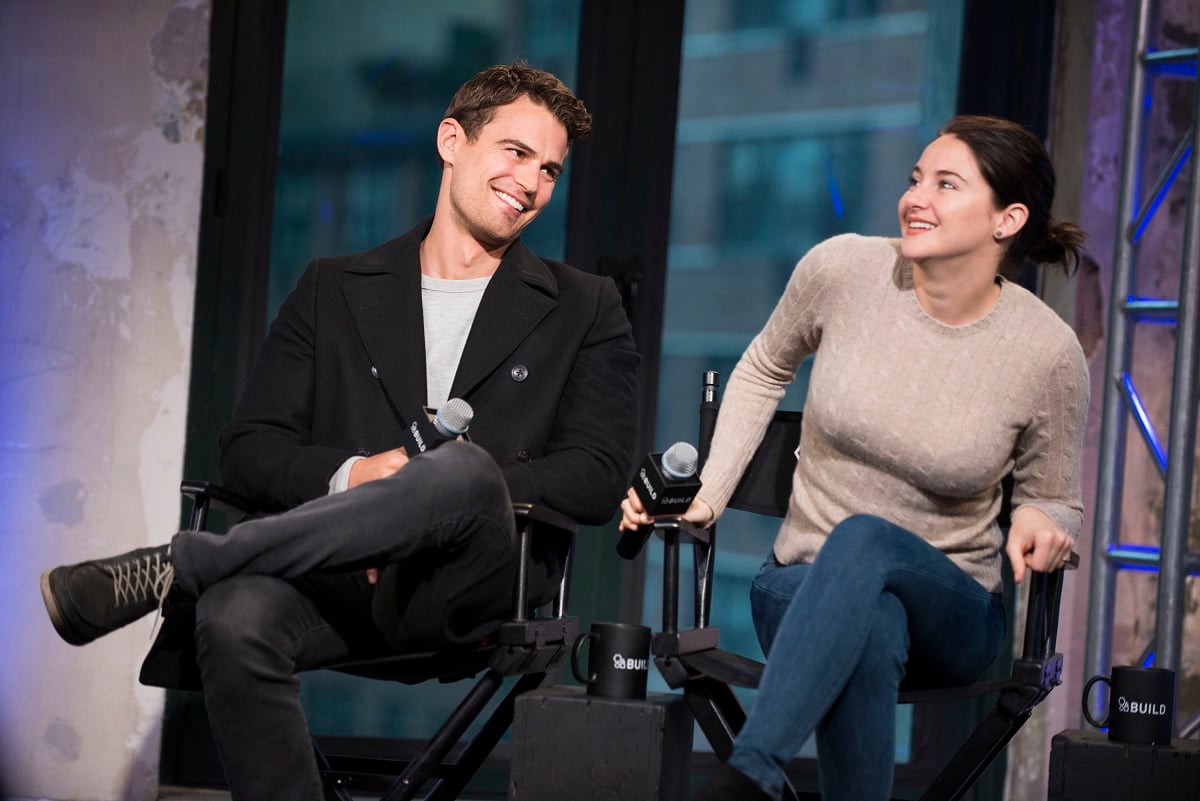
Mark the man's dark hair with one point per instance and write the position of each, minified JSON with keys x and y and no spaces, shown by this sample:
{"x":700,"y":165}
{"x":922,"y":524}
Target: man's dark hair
{"x":476,"y":101}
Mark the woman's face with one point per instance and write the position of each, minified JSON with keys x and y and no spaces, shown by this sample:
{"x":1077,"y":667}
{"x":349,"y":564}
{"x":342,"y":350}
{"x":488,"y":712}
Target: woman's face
{"x":949,"y":211}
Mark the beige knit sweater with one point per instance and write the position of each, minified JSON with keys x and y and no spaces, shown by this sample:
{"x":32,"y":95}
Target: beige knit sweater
{"x":908,"y":418}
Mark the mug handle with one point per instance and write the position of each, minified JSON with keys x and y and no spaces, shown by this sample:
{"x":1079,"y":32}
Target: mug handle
{"x":575,"y":649}
{"x":1087,"y":688}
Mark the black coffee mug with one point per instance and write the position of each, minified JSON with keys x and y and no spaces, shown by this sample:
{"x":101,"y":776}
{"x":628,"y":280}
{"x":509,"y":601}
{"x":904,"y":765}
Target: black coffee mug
{"x":618,"y":660}
{"x":1141,"y":705}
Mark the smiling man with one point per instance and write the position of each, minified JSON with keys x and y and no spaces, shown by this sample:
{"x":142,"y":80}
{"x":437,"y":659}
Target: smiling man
{"x":376,"y":550}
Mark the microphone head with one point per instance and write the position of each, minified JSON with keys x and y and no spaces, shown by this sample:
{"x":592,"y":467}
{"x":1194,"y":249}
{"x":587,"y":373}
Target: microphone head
{"x":679,"y":461}
{"x":454,"y":418}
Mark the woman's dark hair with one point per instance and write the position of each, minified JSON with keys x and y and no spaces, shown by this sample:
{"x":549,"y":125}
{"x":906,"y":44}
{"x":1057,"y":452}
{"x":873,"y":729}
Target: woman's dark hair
{"x":476,"y":101}
{"x":1018,"y":169}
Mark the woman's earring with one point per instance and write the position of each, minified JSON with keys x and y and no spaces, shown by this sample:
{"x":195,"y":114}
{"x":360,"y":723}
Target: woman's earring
{"x":999,"y":235}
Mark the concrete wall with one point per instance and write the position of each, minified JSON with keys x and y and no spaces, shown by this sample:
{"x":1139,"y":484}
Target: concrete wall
{"x":101,"y":144}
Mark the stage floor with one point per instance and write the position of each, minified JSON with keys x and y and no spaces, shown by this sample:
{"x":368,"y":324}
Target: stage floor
{"x":166,"y":793}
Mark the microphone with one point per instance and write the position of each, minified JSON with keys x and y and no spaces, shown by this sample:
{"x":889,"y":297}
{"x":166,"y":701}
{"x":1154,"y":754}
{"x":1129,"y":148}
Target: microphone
{"x":427,"y":431}
{"x":666,"y":483}
{"x":454,"y":418}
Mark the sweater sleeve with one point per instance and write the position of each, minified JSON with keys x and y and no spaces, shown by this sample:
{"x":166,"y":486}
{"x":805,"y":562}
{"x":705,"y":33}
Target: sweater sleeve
{"x":1046,"y":468}
{"x":762,"y":375}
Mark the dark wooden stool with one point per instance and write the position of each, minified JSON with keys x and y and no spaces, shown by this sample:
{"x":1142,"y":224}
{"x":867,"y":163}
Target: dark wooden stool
{"x":1085,"y":766}
{"x":570,"y":745}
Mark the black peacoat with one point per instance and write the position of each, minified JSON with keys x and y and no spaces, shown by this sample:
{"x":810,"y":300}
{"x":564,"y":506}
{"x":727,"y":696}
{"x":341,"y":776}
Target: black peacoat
{"x":549,"y":367}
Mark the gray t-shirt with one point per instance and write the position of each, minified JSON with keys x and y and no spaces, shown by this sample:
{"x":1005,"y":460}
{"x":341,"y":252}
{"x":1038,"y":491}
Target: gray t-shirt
{"x":449,"y":308}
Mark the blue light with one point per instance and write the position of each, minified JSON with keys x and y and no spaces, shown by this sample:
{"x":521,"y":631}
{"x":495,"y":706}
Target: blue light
{"x":1144,"y":423}
{"x":1146,"y":217}
{"x":835,"y":196}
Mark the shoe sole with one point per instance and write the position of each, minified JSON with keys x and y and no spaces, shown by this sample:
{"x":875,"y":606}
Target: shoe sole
{"x":56,"y":617}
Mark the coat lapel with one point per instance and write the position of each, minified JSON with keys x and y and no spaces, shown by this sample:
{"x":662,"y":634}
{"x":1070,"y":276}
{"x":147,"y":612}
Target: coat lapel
{"x":383,"y":293}
{"x":520,"y":294}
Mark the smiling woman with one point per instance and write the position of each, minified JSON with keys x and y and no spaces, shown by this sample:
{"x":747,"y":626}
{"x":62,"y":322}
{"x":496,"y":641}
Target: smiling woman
{"x":759,"y":178}
{"x":963,"y":220}
{"x":925,"y":393}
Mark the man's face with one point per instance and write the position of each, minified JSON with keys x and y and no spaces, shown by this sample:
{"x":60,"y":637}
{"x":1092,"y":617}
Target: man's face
{"x":500,"y":181}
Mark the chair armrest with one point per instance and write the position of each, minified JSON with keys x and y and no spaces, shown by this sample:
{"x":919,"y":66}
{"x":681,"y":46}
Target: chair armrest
{"x":206,"y":495}
{"x":662,"y":525}
{"x":544,"y":516}
{"x":531,"y":520}
{"x":1041,"y":614}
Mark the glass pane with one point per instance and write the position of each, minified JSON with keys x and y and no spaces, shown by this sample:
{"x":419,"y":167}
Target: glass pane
{"x":365,"y":85}
{"x":798,"y":120}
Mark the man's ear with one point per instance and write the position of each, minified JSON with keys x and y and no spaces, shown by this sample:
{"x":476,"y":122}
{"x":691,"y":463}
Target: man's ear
{"x":449,"y":135}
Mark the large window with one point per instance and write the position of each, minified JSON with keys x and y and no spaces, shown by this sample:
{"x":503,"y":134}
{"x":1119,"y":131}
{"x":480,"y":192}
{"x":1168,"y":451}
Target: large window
{"x":797,"y":121}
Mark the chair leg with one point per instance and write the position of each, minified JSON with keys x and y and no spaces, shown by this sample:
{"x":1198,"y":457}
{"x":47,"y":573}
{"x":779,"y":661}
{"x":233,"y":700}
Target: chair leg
{"x":718,"y":712}
{"x":331,"y":789}
{"x":721,"y":716}
{"x":977,"y":753}
{"x":409,"y":783}
{"x":484,"y":742}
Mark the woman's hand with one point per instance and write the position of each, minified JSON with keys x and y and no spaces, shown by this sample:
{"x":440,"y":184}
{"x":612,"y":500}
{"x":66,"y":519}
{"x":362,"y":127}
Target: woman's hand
{"x":1035,"y":542}
{"x":633,"y":514}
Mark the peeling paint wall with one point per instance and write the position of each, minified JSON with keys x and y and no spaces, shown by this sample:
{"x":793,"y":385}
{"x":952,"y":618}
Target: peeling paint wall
{"x":101,"y":145}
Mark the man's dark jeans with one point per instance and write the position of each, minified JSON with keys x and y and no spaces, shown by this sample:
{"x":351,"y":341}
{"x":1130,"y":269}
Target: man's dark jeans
{"x":286,"y":593}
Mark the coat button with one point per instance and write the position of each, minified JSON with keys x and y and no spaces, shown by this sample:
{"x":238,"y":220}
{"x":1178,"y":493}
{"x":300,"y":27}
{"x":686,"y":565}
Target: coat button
{"x":374,"y":372}
{"x":520,"y":372}
{"x":524,"y":455}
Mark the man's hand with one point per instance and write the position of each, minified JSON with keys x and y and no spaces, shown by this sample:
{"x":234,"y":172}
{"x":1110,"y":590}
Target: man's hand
{"x":381,"y":465}
{"x":1035,"y":542}
{"x":633,"y":514}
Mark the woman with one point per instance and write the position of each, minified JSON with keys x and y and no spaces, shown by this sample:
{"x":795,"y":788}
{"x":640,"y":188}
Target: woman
{"x":934,"y":378}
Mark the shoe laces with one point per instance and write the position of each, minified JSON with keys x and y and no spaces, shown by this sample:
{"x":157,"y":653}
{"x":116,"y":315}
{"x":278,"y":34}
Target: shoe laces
{"x":143,"y":578}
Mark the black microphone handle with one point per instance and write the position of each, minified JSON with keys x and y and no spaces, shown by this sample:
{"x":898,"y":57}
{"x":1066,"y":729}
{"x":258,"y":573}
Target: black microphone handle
{"x":709,"y":406}
{"x":632,"y":542}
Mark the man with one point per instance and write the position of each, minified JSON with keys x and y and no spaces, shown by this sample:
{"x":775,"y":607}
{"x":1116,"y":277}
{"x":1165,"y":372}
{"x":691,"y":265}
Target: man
{"x":418,"y":550}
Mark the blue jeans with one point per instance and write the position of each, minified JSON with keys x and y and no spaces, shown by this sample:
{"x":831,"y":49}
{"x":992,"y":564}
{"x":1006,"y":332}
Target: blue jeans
{"x":877,"y":606}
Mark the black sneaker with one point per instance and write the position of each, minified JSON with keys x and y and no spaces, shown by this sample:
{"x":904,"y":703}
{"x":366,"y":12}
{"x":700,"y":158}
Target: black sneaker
{"x":90,"y":599}
{"x":730,"y":784}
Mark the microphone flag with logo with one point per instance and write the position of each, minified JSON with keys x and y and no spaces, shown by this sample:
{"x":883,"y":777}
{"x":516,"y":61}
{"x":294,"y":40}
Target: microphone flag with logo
{"x":428,"y":429}
{"x":666,"y":482}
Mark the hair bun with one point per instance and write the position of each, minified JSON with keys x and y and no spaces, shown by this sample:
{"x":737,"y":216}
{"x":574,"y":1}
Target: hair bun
{"x":1060,"y":244}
